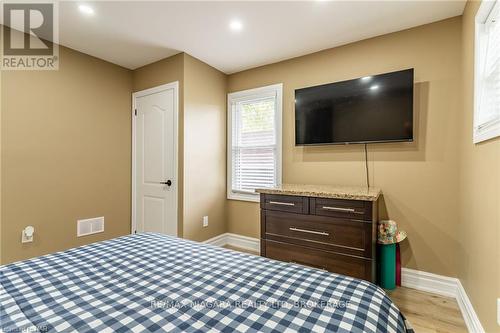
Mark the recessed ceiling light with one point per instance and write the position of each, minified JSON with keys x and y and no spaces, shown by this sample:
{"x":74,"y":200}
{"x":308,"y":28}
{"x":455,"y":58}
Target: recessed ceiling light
{"x":366,"y":78}
{"x":375,"y":87}
{"x":236,"y":25}
{"x":86,"y":9}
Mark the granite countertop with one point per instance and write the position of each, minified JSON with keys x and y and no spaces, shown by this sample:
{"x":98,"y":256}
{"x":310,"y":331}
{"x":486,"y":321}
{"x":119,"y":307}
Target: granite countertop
{"x":325,"y":191}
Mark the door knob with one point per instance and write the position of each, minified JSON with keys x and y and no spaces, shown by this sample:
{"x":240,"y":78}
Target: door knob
{"x":168,"y":183}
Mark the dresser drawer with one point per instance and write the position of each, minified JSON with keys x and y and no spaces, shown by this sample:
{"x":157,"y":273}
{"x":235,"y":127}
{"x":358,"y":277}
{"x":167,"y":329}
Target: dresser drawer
{"x":319,"y":232}
{"x":333,"y":262}
{"x":352,"y":209}
{"x":285,"y":203}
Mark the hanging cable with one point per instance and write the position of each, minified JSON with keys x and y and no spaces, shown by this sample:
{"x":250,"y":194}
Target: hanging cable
{"x":366,"y":165}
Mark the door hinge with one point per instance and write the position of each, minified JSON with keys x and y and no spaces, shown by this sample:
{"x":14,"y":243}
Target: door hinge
{"x":135,"y":112}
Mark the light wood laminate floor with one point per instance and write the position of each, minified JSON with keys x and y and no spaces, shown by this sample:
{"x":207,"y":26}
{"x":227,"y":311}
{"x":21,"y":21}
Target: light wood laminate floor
{"x":426,"y":312}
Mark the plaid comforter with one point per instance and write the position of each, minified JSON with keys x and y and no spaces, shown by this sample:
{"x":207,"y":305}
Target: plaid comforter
{"x":150,"y":282}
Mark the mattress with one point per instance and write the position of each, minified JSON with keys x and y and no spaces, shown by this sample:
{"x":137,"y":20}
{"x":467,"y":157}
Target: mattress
{"x":150,"y":282}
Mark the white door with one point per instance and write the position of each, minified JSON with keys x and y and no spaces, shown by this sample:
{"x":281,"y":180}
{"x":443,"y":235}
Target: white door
{"x":155,"y":155}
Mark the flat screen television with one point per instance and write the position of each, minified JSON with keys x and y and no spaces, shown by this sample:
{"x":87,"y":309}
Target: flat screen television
{"x":370,"y":109}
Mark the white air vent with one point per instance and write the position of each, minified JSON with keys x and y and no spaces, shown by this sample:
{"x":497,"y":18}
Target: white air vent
{"x":90,"y":226}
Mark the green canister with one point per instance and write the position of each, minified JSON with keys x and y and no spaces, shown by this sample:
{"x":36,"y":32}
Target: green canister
{"x":387,"y":266}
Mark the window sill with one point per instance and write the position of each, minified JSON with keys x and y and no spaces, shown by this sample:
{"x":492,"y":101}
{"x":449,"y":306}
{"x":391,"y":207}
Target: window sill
{"x":490,"y":131}
{"x":244,"y":197}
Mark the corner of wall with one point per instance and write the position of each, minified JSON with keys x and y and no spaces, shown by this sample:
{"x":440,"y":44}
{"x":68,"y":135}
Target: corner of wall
{"x":205,"y":149}
{"x":479,"y":195}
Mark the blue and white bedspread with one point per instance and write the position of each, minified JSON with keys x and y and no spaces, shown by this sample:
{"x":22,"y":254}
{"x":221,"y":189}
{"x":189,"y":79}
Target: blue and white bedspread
{"x":151,"y":282}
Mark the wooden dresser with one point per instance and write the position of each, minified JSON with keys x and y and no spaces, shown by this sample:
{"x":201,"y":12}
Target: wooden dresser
{"x":327,"y":227}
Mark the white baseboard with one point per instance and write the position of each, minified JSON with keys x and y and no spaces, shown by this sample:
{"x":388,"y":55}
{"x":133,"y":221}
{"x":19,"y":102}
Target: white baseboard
{"x":220,"y":240}
{"x":433,"y":283}
{"x":410,"y":278}
{"x":243,"y":242}
{"x":444,"y":286}
{"x":470,"y":316}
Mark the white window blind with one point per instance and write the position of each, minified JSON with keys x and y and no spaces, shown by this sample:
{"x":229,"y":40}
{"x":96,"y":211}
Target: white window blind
{"x":254,"y":155}
{"x":487,"y":89}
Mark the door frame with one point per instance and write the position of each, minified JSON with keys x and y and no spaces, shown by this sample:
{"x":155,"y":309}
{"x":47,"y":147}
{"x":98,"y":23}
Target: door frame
{"x":175,"y":185}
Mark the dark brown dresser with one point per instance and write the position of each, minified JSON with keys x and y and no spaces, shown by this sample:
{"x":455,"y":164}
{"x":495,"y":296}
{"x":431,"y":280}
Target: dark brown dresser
{"x":327,"y":227}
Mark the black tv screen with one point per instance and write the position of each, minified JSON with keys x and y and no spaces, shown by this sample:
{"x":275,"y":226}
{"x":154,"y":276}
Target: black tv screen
{"x":370,"y":109}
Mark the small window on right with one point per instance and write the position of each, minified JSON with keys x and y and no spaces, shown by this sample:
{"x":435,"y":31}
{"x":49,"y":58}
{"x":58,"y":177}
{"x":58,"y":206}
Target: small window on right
{"x":487,"y":72}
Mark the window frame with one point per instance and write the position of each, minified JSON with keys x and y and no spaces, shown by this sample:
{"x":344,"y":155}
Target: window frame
{"x":234,"y":97}
{"x":490,"y":129}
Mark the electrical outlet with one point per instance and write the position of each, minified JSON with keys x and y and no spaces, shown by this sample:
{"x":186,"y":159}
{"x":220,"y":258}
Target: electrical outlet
{"x":27,"y":234}
{"x":205,"y":221}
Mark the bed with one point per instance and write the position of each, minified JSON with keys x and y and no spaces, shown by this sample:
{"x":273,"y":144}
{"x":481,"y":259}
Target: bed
{"x":152,"y":282}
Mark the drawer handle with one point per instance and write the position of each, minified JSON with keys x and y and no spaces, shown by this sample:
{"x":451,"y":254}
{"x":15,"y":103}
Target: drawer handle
{"x":310,"y":231}
{"x":339,"y":209}
{"x":281,"y":203}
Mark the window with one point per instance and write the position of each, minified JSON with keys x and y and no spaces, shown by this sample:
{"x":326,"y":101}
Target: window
{"x":487,"y":72}
{"x":254,"y":141}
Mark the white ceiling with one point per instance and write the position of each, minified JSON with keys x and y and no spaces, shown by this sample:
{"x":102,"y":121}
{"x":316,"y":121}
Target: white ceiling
{"x":133,"y":34}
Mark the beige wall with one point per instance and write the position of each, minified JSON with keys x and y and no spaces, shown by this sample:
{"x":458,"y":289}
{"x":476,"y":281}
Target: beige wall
{"x":419,"y":180}
{"x":162,"y":72}
{"x":204,"y":149}
{"x":66,"y":149}
{"x":202,"y":140}
{"x":479,"y":198}
{"x":65,"y":153}
{"x":1,"y":255}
